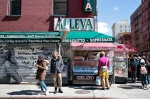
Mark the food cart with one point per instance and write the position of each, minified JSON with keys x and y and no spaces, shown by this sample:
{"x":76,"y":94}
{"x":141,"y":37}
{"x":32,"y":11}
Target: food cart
{"x":121,"y":62}
{"x":85,"y":61}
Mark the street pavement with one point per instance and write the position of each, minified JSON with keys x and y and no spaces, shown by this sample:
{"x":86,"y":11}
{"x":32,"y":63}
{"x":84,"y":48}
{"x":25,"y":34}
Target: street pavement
{"x":116,"y":91}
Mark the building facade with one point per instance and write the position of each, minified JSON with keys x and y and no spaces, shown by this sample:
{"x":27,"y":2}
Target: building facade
{"x":140,"y":33}
{"x":120,"y":27}
{"x":31,"y":27}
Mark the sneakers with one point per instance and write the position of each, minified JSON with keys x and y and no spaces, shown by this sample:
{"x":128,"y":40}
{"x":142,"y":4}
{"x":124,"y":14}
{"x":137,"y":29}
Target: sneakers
{"x":41,"y":93}
{"x":46,"y":92}
{"x":145,"y":87}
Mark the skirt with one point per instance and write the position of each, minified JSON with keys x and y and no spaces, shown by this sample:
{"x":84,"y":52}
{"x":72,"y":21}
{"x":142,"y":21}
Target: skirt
{"x":104,"y":74}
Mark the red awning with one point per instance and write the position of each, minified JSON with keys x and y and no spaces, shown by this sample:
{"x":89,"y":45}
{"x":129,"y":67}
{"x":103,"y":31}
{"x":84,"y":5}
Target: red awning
{"x":92,"y":46}
{"x":124,"y":48}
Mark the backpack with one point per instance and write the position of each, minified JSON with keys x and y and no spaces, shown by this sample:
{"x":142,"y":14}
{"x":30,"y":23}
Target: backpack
{"x":143,"y":70}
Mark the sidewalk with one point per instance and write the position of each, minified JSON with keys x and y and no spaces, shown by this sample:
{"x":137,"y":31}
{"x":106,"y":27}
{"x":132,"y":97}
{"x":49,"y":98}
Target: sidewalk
{"x":117,"y":91}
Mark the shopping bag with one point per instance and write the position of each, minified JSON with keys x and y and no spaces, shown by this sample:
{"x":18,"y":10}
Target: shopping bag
{"x":98,"y":81}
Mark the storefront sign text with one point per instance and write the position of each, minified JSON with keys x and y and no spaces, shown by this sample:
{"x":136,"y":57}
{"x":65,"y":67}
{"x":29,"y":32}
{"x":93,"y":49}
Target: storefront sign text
{"x":29,"y":41}
{"x":85,"y":77}
{"x":88,"y":5}
{"x":90,"y":40}
{"x":74,"y":24}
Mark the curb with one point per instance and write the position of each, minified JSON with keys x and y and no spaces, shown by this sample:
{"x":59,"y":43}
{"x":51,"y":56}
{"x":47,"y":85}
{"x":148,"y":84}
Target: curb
{"x":49,"y":97}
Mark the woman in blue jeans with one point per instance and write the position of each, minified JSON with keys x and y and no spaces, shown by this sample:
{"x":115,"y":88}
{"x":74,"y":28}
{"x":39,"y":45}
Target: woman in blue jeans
{"x":148,"y":72}
{"x":41,"y":73}
{"x":144,"y":74}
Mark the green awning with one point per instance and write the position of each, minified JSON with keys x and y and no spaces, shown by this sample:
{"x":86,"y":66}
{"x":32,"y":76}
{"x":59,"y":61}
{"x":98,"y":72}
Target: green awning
{"x":88,"y":36}
{"x":29,"y":37}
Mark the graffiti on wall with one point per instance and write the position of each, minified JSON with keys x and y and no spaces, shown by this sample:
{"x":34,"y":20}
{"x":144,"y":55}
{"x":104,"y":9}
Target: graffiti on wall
{"x":16,"y":62}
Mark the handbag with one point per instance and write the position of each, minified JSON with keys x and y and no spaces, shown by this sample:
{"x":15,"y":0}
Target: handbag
{"x":98,"y":81}
{"x":104,"y":68}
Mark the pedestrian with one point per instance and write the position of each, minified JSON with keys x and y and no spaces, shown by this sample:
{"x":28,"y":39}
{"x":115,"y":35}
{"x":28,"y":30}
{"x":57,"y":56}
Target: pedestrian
{"x":148,"y":67}
{"x":133,"y":66}
{"x":41,"y":74}
{"x":148,"y":72}
{"x":138,"y":67}
{"x":56,"y":69}
{"x":103,"y":65}
{"x":143,"y":71}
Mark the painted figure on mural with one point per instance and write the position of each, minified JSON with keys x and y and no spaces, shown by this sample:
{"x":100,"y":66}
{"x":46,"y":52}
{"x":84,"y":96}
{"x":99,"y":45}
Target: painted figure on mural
{"x":8,"y":65}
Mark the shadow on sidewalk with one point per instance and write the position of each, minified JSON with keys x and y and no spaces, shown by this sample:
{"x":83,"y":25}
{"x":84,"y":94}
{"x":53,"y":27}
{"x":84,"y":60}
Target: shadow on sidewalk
{"x":129,"y":86}
{"x":24,"y":92}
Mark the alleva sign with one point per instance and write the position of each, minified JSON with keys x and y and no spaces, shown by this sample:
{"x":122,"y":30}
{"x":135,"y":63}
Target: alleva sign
{"x":74,"y":23}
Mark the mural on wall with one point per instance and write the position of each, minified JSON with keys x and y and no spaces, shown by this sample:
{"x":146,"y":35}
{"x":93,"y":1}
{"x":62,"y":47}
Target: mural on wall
{"x":16,"y":62}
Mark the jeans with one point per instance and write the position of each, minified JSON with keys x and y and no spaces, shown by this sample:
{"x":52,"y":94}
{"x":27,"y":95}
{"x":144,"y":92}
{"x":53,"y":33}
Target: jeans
{"x":43,"y":85}
{"x":144,"y":79}
{"x":148,"y":78}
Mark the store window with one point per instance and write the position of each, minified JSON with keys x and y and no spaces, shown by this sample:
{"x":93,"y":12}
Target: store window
{"x":60,"y":7}
{"x":14,"y":7}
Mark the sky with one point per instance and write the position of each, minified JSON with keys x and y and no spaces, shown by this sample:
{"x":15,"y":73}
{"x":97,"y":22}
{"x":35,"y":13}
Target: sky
{"x":113,"y":11}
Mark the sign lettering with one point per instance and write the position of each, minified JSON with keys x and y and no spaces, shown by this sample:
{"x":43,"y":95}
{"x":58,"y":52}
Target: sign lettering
{"x":85,"y":77}
{"x":74,"y":23}
{"x":90,"y":40}
{"x":89,"y":5}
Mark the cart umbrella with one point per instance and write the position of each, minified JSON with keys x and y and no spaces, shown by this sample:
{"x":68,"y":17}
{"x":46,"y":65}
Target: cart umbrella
{"x":92,"y":46}
{"x":88,"y":36}
{"x":124,"y":48}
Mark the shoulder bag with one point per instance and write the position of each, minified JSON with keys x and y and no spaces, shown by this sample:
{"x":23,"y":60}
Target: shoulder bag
{"x":104,"y":68}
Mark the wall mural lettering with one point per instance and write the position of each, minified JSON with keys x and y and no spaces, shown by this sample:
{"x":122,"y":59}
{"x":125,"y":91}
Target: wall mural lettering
{"x":16,"y":62}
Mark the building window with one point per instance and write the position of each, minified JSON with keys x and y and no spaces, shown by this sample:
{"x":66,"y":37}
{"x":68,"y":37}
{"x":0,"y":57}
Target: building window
{"x":120,"y":26}
{"x":125,"y":26}
{"x":129,"y":26}
{"x":14,"y":7}
{"x":120,"y":30}
{"x":125,"y":30}
{"x":60,"y":7}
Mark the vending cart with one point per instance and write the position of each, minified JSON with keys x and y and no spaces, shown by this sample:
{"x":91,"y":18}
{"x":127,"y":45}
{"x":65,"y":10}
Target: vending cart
{"x":85,"y":61}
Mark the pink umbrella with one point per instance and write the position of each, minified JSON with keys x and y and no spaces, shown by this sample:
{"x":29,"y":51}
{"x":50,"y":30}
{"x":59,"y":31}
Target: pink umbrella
{"x":124,"y":48}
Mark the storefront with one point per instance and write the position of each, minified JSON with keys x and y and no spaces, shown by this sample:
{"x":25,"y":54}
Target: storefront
{"x":20,"y":50}
{"x":83,"y":51}
{"x":82,"y":32}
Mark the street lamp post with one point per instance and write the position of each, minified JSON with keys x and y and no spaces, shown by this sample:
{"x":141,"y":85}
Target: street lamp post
{"x":66,"y":29}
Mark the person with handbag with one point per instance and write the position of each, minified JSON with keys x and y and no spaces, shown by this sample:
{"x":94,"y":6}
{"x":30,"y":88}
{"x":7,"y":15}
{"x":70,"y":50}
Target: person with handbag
{"x":103,"y":65}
